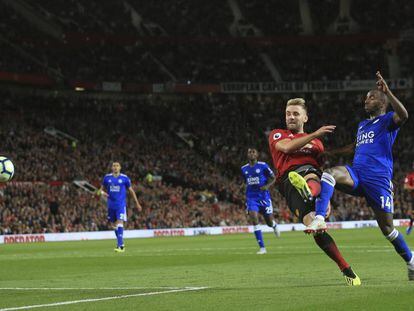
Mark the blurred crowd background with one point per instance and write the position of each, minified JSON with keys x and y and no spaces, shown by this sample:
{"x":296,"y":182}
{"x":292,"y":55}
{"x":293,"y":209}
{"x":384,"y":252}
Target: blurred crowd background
{"x":185,"y":166}
{"x":183,"y":152}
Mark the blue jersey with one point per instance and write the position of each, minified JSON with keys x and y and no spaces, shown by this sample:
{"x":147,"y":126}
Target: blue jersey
{"x":373,"y":152}
{"x":116,"y":187}
{"x":255,"y":177}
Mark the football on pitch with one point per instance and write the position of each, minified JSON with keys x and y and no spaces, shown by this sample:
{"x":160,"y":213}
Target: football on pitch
{"x":6,"y":169}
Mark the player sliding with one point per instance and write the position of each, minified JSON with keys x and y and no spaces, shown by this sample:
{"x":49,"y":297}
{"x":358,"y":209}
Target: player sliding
{"x":295,"y":153}
{"x":259,"y":177}
{"x":116,"y":186}
{"x":371,"y":173}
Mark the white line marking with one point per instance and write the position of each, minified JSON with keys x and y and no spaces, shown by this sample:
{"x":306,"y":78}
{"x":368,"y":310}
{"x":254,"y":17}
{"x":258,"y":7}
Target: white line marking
{"x":186,"y":289}
{"x":88,"y":288}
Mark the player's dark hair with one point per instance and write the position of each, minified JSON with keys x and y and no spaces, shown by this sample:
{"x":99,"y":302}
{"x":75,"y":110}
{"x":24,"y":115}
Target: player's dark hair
{"x":381,"y":94}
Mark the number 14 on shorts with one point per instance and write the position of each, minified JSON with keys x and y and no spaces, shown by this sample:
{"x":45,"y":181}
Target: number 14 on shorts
{"x":387,"y":203}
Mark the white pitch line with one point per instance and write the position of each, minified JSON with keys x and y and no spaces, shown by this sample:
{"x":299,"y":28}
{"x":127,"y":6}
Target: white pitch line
{"x":89,"y":288}
{"x":186,"y":289}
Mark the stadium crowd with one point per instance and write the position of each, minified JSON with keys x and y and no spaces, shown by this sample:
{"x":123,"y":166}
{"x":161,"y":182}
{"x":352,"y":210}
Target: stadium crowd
{"x":185,"y":166}
{"x":102,"y":42}
{"x":181,"y":183}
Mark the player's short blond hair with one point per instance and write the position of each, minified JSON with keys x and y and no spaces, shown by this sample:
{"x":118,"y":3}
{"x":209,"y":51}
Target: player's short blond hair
{"x":297,"y":102}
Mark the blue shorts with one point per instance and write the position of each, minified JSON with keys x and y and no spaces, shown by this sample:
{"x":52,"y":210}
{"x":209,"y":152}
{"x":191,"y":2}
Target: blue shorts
{"x":115,"y":214}
{"x":377,"y":190}
{"x":263,"y":206}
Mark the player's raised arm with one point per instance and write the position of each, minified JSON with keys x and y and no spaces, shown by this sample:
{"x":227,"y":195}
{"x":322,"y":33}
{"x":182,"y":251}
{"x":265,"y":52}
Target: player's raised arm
{"x":400,"y":113}
{"x":134,"y":196}
{"x":291,"y":145}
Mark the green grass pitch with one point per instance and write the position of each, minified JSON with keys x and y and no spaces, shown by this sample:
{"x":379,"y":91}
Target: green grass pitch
{"x":171,"y":273}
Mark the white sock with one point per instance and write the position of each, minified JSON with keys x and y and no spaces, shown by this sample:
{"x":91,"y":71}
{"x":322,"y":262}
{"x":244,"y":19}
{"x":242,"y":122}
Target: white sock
{"x":411,"y":262}
{"x":320,"y":217}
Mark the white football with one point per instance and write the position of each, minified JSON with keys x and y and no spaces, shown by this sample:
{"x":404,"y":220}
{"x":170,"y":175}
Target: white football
{"x":6,"y":169}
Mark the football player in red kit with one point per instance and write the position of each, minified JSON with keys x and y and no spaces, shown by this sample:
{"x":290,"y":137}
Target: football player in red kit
{"x":295,"y":153}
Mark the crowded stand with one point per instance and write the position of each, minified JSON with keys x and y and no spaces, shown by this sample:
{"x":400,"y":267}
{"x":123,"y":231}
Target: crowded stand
{"x":104,"y":41}
{"x":180,"y":184}
{"x":182,"y":152}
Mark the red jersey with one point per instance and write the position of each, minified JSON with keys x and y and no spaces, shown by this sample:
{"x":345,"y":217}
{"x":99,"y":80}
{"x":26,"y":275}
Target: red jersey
{"x":283,"y":161}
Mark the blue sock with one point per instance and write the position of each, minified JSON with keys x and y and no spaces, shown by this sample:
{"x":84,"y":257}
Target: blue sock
{"x":259,"y":237}
{"x":120,"y":235}
{"x":116,"y":232}
{"x":400,"y":245}
{"x":327,"y":190}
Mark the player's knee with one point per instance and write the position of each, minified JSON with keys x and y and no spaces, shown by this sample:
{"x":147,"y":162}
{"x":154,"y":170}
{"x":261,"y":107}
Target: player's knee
{"x":253,"y":219}
{"x":307,"y":219}
{"x":334,"y":172}
{"x":387,"y":229}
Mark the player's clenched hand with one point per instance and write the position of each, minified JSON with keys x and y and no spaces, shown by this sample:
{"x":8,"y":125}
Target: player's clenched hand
{"x":381,"y":83}
{"x":325,"y":130}
{"x":265,"y":187}
{"x":139,"y":207}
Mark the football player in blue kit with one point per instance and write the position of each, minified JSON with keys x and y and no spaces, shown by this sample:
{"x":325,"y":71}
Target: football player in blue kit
{"x":116,"y":186}
{"x":258,"y":178}
{"x":371,"y":172}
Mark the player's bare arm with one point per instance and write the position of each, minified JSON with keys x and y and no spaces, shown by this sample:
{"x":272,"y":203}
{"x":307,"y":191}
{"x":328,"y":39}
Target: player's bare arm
{"x":100,"y":192}
{"x":400,"y":113}
{"x":292,"y":145}
{"x":134,"y":196}
{"x":271,"y":181}
{"x":341,"y":151}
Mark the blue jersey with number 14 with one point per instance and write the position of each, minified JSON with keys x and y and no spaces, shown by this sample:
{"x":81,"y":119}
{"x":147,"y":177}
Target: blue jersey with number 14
{"x":373,"y":152}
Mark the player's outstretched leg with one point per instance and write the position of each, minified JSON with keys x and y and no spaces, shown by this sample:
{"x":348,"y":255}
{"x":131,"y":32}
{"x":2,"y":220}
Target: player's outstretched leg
{"x":301,"y":186}
{"x":308,"y":189}
{"x":328,"y":245}
{"x":385,"y":222}
{"x":329,"y":179}
{"x":270,"y":221}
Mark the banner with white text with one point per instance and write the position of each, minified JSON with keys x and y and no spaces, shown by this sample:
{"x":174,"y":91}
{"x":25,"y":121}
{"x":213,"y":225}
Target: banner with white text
{"x":107,"y":235}
{"x":310,"y":86}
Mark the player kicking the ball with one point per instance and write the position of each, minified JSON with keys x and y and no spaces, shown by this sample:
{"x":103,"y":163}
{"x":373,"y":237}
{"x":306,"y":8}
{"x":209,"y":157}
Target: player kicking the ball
{"x":116,"y":186}
{"x":258,"y":177}
{"x":295,"y":154}
{"x":371,"y":173}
